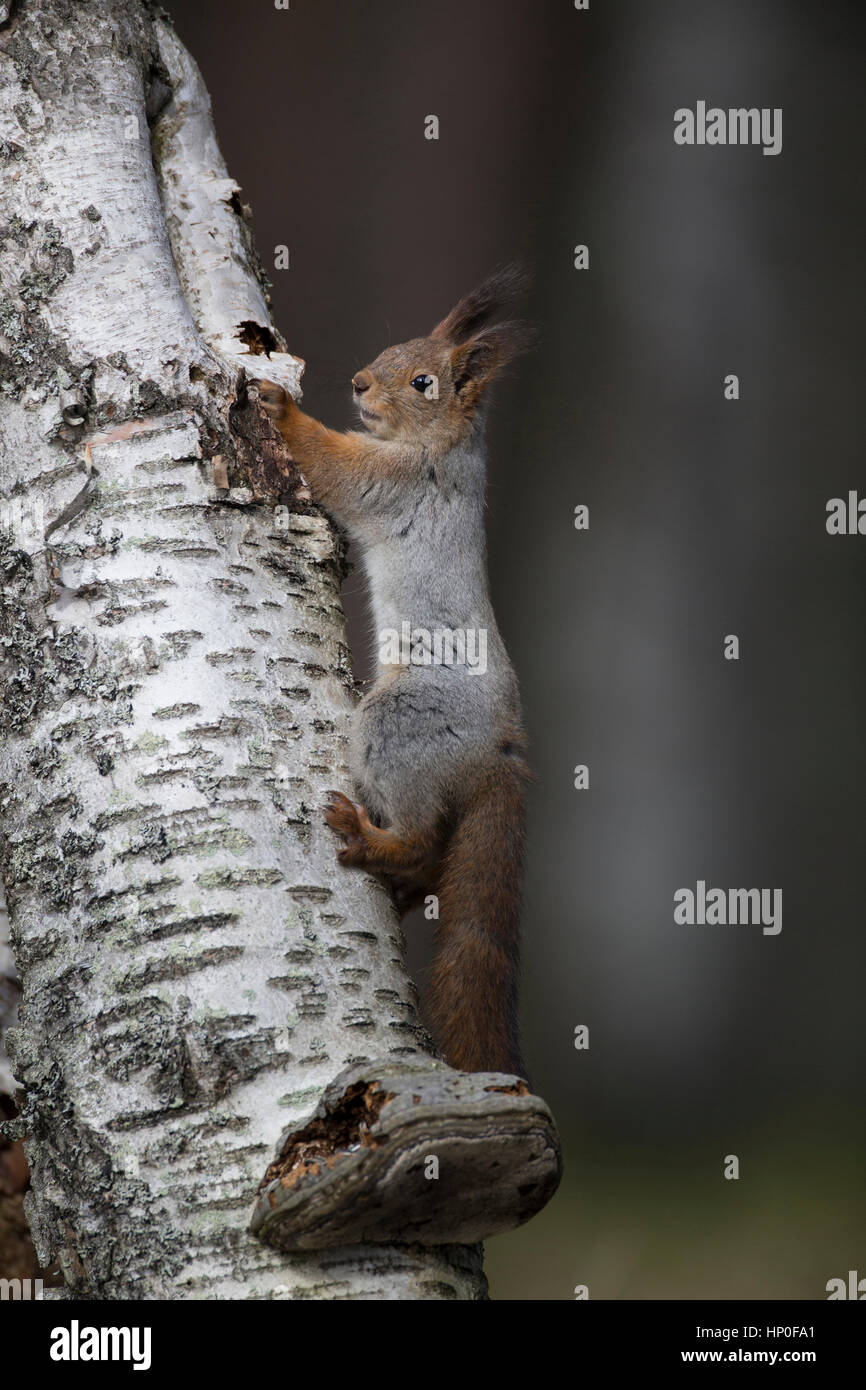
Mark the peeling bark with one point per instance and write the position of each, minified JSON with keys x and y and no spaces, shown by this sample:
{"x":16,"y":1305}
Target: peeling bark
{"x":175,"y":685}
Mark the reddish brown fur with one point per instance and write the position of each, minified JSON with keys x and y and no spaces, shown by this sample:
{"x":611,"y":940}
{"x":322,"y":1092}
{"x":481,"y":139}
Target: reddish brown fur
{"x":473,"y":984}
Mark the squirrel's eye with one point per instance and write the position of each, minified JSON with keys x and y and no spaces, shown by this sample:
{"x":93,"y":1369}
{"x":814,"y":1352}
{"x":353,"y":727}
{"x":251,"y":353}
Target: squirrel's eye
{"x":421,"y":382}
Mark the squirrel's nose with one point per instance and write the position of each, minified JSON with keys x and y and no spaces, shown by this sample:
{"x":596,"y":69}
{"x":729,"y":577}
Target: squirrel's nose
{"x":361,"y":383}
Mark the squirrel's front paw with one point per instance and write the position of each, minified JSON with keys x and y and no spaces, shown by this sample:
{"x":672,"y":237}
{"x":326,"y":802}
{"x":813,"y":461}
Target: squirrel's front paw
{"x":343,"y":815}
{"x":274,"y":400}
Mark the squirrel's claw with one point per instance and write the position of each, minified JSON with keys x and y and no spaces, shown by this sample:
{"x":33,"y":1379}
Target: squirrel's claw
{"x":343,"y":815}
{"x":274,"y":400}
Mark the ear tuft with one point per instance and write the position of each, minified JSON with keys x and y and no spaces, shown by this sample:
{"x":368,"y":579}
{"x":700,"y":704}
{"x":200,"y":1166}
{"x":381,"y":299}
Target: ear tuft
{"x":477,"y":308}
{"x":476,"y":363}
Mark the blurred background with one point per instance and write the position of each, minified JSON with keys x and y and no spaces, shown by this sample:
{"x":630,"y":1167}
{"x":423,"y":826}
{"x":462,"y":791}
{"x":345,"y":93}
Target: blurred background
{"x":707,"y":518}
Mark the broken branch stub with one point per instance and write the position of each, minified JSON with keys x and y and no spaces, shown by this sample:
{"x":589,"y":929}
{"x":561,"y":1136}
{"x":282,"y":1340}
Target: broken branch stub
{"x":410,"y":1151}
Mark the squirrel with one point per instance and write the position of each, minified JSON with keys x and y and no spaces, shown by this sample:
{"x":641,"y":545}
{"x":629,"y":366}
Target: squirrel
{"x":437,"y":747}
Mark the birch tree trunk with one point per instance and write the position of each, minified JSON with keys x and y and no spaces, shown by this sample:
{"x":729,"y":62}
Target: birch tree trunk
{"x":175,"y":686}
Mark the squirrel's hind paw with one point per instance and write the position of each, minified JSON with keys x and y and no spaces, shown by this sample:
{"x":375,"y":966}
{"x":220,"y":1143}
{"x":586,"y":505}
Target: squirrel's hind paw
{"x":343,"y":815}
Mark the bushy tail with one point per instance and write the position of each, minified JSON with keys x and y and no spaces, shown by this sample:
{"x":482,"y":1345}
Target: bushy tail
{"x":474,"y":981}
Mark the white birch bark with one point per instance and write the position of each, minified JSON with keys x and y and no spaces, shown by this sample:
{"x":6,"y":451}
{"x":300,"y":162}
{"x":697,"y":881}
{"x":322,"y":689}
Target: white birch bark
{"x":175,"y":686}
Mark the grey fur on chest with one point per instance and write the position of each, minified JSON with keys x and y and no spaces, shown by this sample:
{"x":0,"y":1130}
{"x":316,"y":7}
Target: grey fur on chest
{"x":428,"y":727}
{"x":425,"y":553}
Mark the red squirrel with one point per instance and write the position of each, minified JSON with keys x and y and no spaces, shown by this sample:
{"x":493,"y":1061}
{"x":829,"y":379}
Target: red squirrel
{"x":437,"y":745}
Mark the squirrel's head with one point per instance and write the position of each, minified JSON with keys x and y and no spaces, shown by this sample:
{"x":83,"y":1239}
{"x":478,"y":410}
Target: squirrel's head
{"x":431,"y":387}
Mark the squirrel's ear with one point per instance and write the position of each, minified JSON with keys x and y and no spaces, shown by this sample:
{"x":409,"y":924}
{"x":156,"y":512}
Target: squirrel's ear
{"x":472,"y":367}
{"x":475,"y":364}
{"x":481,"y":304}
